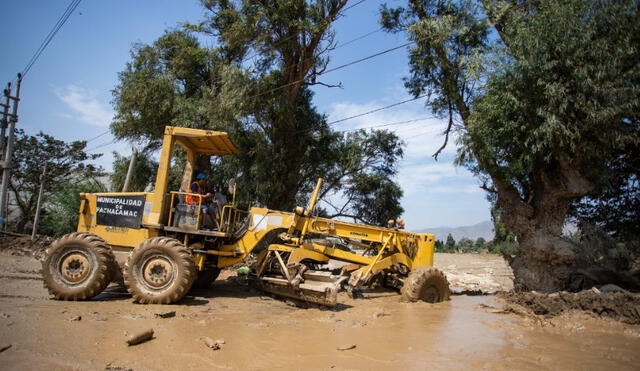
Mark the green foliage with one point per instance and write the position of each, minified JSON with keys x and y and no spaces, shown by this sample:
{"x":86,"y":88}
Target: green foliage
{"x":615,"y":208}
{"x":144,"y":171}
{"x":263,"y":102}
{"x":465,"y":245}
{"x":60,"y":216}
{"x":64,"y":161}
{"x":547,"y":93}
{"x":450,"y":243}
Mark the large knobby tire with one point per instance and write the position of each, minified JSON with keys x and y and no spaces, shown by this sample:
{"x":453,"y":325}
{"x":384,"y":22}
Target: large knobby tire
{"x":206,"y":277}
{"x":426,"y":284}
{"x":159,"y":271}
{"x":77,"y":266}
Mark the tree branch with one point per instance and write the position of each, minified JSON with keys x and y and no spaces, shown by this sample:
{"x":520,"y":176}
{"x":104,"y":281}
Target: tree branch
{"x":339,"y":85}
{"x":446,"y":133}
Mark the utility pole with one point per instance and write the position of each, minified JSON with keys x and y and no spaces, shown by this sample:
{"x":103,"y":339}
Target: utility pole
{"x":132,"y":164}
{"x":39,"y":205}
{"x":5,"y":117}
{"x":8,"y":150}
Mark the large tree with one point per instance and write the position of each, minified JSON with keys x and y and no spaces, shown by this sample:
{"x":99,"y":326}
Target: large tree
{"x":547,"y":96}
{"x":254,"y":84}
{"x":64,"y":161}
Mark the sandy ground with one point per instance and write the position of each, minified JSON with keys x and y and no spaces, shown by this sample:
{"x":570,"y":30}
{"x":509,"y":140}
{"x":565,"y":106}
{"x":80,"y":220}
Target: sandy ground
{"x":264,"y":333}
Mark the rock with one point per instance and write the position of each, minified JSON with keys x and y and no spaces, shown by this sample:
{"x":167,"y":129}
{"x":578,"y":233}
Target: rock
{"x":381,"y":314}
{"x":346,"y":347}
{"x":76,"y":318}
{"x":111,"y":367}
{"x":213,"y":344}
{"x":166,"y":315}
{"x":5,"y":347}
{"x":612,"y":288}
{"x":140,"y":337}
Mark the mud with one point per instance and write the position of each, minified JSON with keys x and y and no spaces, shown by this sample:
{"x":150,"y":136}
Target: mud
{"x":620,"y":306}
{"x":21,"y":245}
{"x":260,"y":332}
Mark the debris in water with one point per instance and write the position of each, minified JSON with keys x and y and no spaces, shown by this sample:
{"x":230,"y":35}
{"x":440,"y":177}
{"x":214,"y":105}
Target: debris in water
{"x":347,"y":347}
{"x":140,"y":337}
{"x":166,"y":315}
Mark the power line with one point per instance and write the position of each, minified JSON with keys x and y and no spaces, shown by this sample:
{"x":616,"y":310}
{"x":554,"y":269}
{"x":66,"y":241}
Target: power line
{"x":100,"y":146}
{"x":365,"y":58}
{"x":61,"y":21}
{"x":98,"y":136}
{"x":357,"y":39}
{"x":352,"y":5}
{"x":376,"y":110}
{"x":389,"y":124}
{"x":333,"y":69}
{"x":296,"y":35}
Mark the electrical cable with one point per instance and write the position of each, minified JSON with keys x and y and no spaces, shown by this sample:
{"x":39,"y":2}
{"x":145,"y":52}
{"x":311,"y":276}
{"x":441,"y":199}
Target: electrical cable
{"x":47,"y":40}
{"x":376,"y":110}
{"x":100,"y":146}
{"x":296,"y":35}
{"x":97,"y":136}
{"x":332,"y":69}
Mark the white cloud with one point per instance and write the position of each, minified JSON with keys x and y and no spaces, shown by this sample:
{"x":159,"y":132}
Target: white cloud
{"x":422,"y":138}
{"x":85,"y":105}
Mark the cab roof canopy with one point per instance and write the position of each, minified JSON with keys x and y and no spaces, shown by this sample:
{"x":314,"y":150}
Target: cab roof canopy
{"x":206,"y":142}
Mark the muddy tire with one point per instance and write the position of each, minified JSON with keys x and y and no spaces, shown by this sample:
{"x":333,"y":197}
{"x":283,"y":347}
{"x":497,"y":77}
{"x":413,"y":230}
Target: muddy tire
{"x":159,"y":271}
{"x":426,"y":284}
{"x":205,"y":278}
{"x":77,"y":266}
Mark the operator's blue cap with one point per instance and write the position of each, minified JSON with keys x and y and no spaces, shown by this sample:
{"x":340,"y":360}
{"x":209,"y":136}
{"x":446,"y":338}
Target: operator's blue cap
{"x":201,"y":176}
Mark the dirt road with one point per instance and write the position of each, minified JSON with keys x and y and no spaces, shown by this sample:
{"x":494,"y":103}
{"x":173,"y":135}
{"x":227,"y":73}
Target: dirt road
{"x":263,"y":333}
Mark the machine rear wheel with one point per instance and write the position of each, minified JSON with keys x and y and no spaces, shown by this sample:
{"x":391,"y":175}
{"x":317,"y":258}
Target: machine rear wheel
{"x":77,"y":266}
{"x":159,"y":271}
{"x":426,"y":284}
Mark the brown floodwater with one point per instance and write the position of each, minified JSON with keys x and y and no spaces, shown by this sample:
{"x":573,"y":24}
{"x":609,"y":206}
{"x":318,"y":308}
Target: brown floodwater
{"x":263,"y":333}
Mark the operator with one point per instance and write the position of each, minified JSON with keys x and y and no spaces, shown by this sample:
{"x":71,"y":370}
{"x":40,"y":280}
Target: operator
{"x":197,"y":187}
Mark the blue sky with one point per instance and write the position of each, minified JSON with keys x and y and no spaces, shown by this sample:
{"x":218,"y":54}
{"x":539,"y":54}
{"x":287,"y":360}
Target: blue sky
{"x":67,"y":93}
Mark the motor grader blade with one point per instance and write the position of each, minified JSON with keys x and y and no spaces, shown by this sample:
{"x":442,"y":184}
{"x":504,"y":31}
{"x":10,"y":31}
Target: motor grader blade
{"x":318,"y":287}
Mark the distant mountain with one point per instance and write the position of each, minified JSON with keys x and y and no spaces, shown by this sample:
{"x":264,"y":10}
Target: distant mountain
{"x":482,"y":229}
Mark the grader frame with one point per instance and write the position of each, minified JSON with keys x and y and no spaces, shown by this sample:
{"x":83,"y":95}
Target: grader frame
{"x":300,"y":255}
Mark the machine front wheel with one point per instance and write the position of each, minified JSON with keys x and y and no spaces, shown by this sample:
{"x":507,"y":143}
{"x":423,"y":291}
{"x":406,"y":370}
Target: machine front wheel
{"x":77,"y":266}
{"x":159,"y":271}
{"x":426,"y":284}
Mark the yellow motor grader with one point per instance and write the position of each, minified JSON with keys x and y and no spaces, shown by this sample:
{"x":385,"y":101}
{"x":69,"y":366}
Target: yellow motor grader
{"x":156,"y":243}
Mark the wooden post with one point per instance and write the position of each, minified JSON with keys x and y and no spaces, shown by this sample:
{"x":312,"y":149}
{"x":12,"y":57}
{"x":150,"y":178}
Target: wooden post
{"x":132,"y":164}
{"x":39,"y":204}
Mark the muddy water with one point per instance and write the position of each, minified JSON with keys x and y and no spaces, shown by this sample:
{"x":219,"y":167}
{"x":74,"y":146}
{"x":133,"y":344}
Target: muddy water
{"x":263,"y":333}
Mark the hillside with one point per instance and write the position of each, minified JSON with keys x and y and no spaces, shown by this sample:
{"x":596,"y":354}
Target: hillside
{"x":482,"y":229}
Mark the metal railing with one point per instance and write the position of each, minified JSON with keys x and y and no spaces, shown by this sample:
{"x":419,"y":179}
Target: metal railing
{"x":227,"y":221}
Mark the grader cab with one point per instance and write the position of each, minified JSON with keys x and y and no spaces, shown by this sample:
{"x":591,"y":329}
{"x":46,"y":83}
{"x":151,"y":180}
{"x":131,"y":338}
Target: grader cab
{"x":158,"y":244}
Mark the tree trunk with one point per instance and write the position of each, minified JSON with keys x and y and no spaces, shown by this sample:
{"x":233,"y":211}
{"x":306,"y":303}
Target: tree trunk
{"x":546,"y":261}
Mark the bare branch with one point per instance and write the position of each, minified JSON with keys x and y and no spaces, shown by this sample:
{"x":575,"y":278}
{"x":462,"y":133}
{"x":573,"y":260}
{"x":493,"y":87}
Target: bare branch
{"x":339,"y":85}
{"x":446,"y":133}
